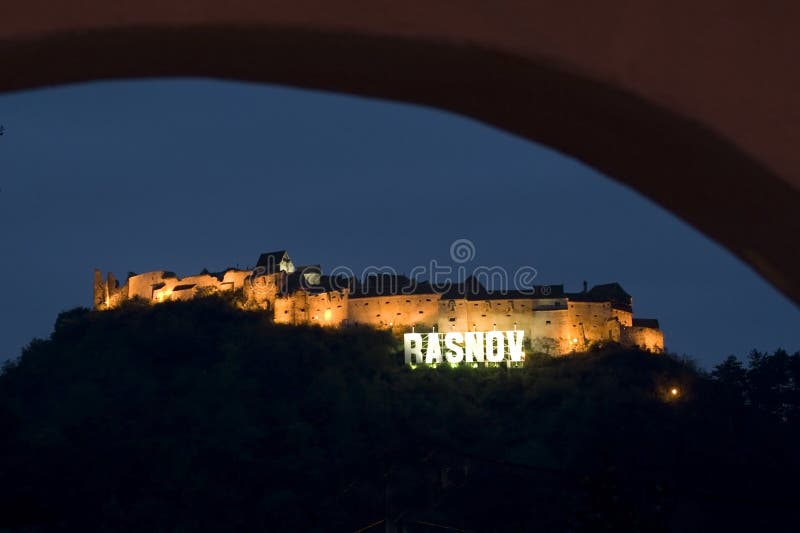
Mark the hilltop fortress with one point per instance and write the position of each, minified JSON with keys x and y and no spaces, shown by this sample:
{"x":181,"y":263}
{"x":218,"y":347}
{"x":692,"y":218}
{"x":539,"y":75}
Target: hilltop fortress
{"x":555,"y":321}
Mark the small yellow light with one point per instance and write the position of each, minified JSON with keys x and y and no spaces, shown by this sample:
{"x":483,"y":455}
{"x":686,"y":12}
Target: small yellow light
{"x":673,"y":391}
{"x":574,"y":340}
{"x":327,"y":315}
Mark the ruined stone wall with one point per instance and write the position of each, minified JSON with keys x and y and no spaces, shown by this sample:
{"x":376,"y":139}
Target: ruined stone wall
{"x":262,"y":291}
{"x":231,"y":280}
{"x":108,"y":294}
{"x":153,"y":287}
{"x":100,"y":292}
{"x":284,"y":311}
{"x":116,"y":294}
{"x":143,"y":285}
{"x":160,"y":286}
{"x":292,"y":309}
{"x":650,"y":339}
{"x":238,"y":278}
{"x":328,"y":309}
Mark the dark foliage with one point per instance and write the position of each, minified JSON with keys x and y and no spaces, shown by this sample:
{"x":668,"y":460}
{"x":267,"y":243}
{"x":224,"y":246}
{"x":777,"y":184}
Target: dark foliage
{"x":197,"y":416}
{"x":769,"y":383}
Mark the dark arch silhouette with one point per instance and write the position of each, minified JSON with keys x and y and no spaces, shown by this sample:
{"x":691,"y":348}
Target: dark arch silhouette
{"x":627,"y":89}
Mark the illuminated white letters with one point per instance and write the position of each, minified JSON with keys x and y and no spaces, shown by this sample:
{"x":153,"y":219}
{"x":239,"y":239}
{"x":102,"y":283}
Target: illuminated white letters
{"x":471,"y":347}
{"x":515,"y":345}
{"x":455,"y":353}
{"x":434,"y":352}
{"x":495,"y":347}
{"x":474,"y":343}
{"x":413,"y":347}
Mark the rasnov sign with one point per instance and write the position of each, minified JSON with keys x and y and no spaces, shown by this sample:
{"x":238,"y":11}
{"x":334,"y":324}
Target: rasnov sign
{"x":470,"y":347}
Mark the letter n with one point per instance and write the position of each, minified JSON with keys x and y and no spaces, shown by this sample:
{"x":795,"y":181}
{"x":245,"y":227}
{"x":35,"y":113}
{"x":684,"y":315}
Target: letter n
{"x":473,"y":347}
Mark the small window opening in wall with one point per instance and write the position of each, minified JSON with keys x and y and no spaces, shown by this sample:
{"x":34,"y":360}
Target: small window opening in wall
{"x":483,"y":316}
{"x":420,"y":312}
{"x":452,"y":319}
{"x":427,"y":299}
{"x":378,"y":315}
{"x":408,"y":301}
{"x":398,"y":314}
{"x":387,"y":301}
{"x":547,"y":322}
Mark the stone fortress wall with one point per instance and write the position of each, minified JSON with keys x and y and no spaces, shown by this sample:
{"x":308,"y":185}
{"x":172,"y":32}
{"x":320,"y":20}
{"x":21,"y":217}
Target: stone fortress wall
{"x":554,"y":321}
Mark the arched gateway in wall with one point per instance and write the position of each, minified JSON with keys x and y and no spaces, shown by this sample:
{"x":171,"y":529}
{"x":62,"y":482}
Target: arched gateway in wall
{"x":695,"y":105}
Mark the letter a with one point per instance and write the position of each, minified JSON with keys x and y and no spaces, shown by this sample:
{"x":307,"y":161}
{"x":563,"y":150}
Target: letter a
{"x":434,"y":353}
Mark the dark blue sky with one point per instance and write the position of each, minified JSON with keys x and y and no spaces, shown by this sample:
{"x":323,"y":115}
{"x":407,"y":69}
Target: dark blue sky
{"x":187,"y":174}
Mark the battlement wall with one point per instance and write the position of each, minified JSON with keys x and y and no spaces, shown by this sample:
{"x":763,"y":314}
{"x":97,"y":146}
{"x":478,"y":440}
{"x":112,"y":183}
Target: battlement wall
{"x":398,"y":312}
{"x":650,"y":339}
{"x":328,"y":309}
{"x":161,"y":286}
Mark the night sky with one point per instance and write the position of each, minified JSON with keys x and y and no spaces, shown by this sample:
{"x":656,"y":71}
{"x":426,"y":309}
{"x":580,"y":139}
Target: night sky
{"x":183,"y":175}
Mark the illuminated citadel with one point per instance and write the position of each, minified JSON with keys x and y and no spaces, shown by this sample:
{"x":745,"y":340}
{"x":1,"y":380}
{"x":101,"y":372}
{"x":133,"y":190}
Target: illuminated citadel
{"x":554,"y":321}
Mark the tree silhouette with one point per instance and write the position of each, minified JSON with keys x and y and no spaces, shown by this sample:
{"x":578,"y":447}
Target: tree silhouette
{"x":199,"y":416}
